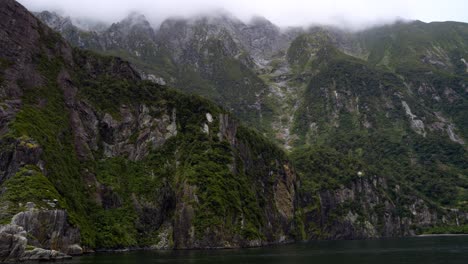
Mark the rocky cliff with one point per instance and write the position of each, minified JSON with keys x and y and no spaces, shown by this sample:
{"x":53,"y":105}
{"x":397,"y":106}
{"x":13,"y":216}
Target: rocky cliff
{"x":94,"y":157}
{"x":343,"y":197}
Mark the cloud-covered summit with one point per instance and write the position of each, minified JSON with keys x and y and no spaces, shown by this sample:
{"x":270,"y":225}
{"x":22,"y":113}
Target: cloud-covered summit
{"x":343,"y":13}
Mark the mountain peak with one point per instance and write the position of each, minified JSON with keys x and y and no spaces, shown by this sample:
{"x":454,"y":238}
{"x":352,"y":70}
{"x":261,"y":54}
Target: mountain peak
{"x":134,"y":22}
{"x":54,"y":20}
{"x":135,"y":19}
{"x":260,"y":20}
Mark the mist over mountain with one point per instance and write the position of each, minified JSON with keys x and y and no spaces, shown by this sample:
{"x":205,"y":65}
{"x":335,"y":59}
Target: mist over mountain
{"x":356,"y":14}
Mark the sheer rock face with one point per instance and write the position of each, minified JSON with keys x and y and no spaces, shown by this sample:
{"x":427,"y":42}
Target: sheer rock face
{"x":17,"y":39}
{"x":182,"y":37}
{"x":22,"y":42}
{"x":367,"y":194}
{"x":123,"y":132}
{"x":367,"y":208}
{"x":15,"y":154}
{"x":279,"y":196}
{"x":259,"y":38}
{"x":131,"y":137}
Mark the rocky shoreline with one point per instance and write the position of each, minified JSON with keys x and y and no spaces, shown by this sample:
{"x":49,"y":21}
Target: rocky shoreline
{"x":441,"y":235}
{"x":15,"y":246}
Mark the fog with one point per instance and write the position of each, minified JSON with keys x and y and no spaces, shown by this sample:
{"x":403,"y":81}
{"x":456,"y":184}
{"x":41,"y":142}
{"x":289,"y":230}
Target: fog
{"x":352,"y":14}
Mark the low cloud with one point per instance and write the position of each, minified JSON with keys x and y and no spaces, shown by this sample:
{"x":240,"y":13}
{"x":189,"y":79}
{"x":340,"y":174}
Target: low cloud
{"x":344,"y":13}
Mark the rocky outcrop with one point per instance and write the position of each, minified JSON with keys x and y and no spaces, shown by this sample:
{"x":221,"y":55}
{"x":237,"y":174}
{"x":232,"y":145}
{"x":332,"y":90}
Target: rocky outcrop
{"x":67,"y":27}
{"x":416,"y":124}
{"x":39,"y":254}
{"x":49,"y":229}
{"x":39,"y":235}
{"x":14,"y":248}
{"x":12,"y":242}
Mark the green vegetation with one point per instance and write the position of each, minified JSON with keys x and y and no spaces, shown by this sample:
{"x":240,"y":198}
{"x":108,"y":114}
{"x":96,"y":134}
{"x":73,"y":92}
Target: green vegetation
{"x":324,"y":168}
{"x":115,"y":228}
{"x":28,"y":185}
{"x":408,"y":44}
{"x":351,"y":125}
{"x":227,"y":193}
{"x":229,"y":82}
{"x":304,"y":48}
{"x":47,"y":123}
{"x":225,"y":198}
{"x":463,"y":229}
{"x":351,"y":117}
{"x":355,"y":110}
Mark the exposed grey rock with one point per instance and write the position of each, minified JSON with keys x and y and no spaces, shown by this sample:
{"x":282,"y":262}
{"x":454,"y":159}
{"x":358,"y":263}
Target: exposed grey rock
{"x":12,"y":242}
{"x":369,"y":212}
{"x":466,"y":64}
{"x":39,"y":254}
{"x":73,"y":33}
{"x":416,"y":124}
{"x":445,"y":125}
{"x":74,"y":249}
{"x":13,"y":246}
{"x":15,"y":153}
{"x":153,"y":78}
{"x":47,"y":229}
{"x":150,"y":131}
{"x":164,"y":237}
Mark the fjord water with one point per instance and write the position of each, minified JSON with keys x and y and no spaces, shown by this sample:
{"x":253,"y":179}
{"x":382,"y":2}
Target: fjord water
{"x":417,"y":250}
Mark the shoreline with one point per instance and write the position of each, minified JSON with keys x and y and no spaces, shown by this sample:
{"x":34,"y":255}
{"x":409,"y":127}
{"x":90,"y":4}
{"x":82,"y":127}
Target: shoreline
{"x":440,"y":235}
{"x":130,"y":249}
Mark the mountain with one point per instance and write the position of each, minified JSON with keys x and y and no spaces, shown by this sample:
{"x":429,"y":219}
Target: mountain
{"x":391,"y":98}
{"x":215,"y":56}
{"x":391,"y":103}
{"x":383,"y":125}
{"x":93,"y":157}
{"x":334,"y":134}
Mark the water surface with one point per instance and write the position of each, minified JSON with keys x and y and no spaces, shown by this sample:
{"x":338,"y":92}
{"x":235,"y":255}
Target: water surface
{"x":417,"y":250}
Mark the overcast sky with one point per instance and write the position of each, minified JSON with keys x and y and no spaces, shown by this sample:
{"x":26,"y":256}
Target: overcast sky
{"x":351,"y":13}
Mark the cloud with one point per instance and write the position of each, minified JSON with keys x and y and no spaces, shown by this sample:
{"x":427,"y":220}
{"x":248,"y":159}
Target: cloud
{"x":348,"y":13}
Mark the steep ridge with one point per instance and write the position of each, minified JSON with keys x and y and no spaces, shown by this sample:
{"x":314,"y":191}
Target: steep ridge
{"x":119,"y":162}
{"x":215,"y":57}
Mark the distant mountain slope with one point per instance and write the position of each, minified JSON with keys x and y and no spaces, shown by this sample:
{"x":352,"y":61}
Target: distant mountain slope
{"x":441,"y":45}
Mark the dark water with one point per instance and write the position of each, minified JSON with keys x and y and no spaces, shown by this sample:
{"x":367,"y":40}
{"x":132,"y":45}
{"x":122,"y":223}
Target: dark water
{"x":424,"y":250}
